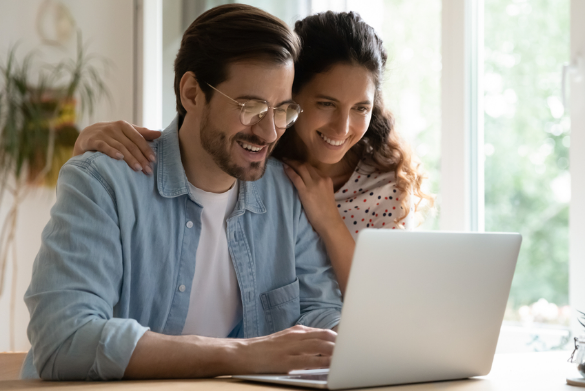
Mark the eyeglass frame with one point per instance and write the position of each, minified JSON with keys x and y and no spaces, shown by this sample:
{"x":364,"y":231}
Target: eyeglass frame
{"x":259,"y":100}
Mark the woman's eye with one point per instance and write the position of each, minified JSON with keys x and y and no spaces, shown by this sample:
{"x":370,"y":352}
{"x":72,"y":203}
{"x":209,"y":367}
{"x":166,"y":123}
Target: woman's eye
{"x":363,"y":109}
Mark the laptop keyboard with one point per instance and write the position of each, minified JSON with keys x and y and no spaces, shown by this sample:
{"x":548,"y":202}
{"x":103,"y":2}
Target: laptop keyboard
{"x":317,"y":376}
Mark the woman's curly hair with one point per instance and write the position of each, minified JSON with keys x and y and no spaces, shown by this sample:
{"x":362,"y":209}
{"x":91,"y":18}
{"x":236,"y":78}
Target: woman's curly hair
{"x":331,"y":38}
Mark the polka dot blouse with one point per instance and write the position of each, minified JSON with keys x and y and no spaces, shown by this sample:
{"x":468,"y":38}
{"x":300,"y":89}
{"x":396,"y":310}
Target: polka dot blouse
{"x":369,"y":199}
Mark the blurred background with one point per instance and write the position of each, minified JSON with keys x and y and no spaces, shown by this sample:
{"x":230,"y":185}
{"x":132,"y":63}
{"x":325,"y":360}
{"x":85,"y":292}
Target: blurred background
{"x":477,"y":89}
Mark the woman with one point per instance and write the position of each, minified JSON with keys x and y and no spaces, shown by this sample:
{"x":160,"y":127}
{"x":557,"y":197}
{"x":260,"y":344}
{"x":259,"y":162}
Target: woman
{"x":345,"y":158}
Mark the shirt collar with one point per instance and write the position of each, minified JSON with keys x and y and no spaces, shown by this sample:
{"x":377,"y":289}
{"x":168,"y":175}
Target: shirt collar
{"x":172,"y":180}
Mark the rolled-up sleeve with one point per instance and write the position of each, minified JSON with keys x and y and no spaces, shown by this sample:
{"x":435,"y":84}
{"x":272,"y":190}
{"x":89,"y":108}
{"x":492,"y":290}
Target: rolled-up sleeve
{"x":320,"y":297}
{"x":76,"y":282}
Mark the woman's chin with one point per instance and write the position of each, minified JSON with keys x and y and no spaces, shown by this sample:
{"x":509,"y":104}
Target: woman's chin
{"x":327,"y":158}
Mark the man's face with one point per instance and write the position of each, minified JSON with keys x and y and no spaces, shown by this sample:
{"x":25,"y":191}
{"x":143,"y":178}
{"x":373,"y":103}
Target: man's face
{"x":241,"y":151}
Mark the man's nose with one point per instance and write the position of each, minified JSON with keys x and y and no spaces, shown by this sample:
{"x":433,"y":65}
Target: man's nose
{"x":265,"y":128}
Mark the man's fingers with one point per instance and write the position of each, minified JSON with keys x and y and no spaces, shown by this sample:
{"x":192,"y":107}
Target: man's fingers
{"x":308,"y":362}
{"x":322,"y":334}
{"x":313,"y":347}
{"x":298,"y":347}
{"x":311,"y":332}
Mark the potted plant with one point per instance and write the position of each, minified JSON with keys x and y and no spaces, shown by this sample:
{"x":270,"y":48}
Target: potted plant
{"x":38,"y":130}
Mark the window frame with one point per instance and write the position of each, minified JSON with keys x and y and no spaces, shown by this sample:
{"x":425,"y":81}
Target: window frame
{"x":148,"y":60}
{"x":577,"y":169}
{"x":462,"y":195}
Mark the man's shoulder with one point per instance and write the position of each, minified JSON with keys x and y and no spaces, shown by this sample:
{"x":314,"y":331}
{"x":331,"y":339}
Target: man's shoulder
{"x":110,"y":173}
{"x":273,"y":163}
{"x":274,"y":174}
{"x":99,"y":165}
{"x":94,"y":156}
{"x":274,"y":187}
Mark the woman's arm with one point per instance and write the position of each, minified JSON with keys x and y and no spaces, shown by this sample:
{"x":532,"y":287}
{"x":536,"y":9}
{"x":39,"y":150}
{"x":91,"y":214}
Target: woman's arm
{"x":119,"y":140}
{"x":340,"y":247}
{"x":317,"y":196}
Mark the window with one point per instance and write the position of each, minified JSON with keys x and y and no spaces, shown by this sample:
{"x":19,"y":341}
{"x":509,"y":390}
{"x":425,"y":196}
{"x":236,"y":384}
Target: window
{"x":476,"y":90}
{"x":526,"y":152}
{"x":411,"y":32}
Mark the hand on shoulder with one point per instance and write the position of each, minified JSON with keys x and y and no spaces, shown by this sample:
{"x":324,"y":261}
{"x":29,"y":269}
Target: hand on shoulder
{"x":316,"y":194}
{"x":119,"y":140}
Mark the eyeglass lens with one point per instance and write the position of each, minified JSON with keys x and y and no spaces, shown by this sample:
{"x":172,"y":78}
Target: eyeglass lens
{"x":284,"y":116}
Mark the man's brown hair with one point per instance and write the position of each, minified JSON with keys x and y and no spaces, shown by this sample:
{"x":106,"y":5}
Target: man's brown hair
{"x":226,"y":34}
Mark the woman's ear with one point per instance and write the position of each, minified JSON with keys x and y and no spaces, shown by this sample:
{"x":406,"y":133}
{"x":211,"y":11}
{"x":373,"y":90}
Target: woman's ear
{"x":190,"y":91}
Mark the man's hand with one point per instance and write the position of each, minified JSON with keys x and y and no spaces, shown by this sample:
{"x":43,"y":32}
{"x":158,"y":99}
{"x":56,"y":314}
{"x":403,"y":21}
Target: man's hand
{"x":159,"y":356}
{"x":298,"y":347}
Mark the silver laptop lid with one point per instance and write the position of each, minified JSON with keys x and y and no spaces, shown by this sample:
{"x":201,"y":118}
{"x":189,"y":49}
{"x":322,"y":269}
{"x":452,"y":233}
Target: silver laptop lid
{"x":422,"y":306}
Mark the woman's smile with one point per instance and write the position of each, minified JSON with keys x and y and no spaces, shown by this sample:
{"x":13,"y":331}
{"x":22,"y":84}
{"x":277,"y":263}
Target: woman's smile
{"x":331,"y":142}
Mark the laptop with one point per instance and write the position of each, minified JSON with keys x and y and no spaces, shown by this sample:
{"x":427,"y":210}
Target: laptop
{"x":419,"y":307}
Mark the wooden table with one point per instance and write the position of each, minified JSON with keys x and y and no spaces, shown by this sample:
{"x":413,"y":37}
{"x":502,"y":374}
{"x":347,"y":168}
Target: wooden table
{"x":510,"y":372}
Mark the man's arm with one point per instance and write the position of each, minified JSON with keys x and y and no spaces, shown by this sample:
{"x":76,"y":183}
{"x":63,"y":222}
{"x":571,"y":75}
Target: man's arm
{"x":189,"y":356}
{"x":75,"y":285}
{"x":76,"y":279}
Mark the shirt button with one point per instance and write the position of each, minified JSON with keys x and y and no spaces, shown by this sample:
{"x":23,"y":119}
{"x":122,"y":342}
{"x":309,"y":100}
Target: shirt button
{"x":181,"y":288}
{"x":189,"y":224}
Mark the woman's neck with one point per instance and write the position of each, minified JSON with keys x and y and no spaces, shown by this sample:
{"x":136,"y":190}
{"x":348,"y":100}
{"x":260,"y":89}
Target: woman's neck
{"x":339,"y":172}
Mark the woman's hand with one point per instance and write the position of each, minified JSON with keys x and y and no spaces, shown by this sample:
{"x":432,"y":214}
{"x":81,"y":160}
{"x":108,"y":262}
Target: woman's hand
{"x":316,"y":194}
{"x":318,"y":199}
{"x":119,"y":140}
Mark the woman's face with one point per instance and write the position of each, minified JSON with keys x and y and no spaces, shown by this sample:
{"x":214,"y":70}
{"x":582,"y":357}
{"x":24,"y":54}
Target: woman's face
{"x":337,"y":108}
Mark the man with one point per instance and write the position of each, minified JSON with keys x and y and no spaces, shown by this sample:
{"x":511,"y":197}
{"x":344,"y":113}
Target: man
{"x":145,"y":276}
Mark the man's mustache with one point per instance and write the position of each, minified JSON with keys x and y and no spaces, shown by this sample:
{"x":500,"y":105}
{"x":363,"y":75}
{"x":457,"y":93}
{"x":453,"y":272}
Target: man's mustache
{"x":251,"y":139}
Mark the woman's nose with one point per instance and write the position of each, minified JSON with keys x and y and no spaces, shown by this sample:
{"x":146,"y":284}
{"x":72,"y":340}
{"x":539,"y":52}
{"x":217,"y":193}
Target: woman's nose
{"x":341,"y":123}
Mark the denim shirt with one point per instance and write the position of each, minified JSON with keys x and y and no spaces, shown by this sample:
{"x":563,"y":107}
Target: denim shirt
{"x":118,"y":257}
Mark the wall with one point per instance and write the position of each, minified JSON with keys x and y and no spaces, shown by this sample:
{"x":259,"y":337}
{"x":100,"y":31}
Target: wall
{"x":172,"y":33}
{"x":108,"y":27}
{"x":177,"y":15}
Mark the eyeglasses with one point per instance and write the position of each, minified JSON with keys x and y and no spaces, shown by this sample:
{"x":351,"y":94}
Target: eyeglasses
{"x":254,"y":110}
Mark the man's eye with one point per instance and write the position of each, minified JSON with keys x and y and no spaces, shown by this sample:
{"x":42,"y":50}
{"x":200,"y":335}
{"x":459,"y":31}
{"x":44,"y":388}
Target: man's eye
{"x":325,"y":104}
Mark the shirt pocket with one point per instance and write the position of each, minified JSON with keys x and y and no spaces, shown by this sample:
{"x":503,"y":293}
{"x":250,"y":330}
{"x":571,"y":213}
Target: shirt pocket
{"x":281,"y":306}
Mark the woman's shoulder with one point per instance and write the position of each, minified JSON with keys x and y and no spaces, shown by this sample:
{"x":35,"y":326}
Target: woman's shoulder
{"x":368,"y":168}
{"x":364,"y":179}
{"x":370,"y":199}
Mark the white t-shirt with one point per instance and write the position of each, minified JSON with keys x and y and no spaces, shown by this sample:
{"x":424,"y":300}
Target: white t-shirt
{"x":370,"y":199}
{"x":215,"y":305}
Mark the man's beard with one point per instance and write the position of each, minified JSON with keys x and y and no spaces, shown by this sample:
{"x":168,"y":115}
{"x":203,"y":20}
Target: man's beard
{"x":216,"y":144}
